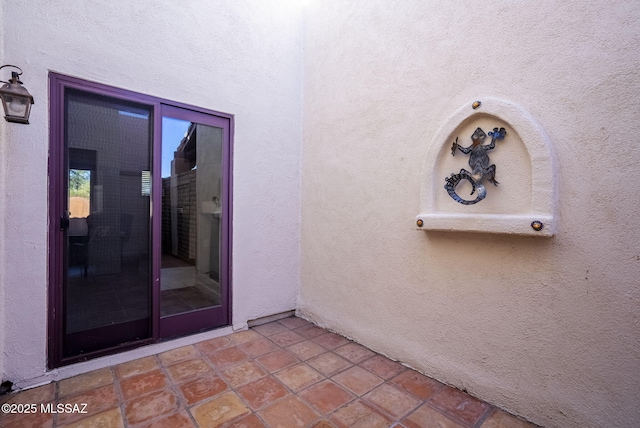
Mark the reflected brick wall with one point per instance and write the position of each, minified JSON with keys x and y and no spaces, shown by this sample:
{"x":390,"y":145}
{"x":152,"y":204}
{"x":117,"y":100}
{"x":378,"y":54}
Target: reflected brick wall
{"x":186,"y":211}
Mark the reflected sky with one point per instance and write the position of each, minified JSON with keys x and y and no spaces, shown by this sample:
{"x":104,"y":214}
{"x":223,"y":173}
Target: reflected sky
{"x":173,"y":130}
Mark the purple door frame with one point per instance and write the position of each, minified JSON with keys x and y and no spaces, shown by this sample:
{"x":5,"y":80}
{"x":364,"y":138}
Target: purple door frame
{"x":182,"y":325}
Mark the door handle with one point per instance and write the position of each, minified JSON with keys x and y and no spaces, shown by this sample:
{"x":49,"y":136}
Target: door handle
{"x":64,"y":221}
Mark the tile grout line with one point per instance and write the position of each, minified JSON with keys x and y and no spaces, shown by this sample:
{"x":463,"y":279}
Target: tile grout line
{"x":182,"y":405}
{"x":218,"y":372}
{"x":328,"y":378}
{"x":290,"y":391}
{"x":120,"y":395}
{"x":187,"y":409}
{"x":237,"y":393}
{"x":421,"y":401}
{"x":56,"y":398}
{"x":484,"y":417}
{"x":298,"y":394}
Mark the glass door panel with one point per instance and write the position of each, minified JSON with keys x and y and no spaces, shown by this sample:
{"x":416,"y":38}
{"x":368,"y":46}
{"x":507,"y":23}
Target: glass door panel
{"x":107,"y":247}
{"x":192,"y":281}
{"x":191,"y":177}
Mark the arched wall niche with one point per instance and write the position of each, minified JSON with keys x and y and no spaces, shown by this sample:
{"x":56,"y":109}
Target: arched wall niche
{"x":524,"y":168}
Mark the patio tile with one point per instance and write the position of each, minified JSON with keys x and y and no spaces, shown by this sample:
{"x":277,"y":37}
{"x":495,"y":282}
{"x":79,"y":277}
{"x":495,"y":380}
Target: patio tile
{"x":290,"y":412}
{"x":383,"y":367}
{"x":244,"y":336}
{"x":294,"y":322}
{"x":31,"y":420}
{"x":270,"y":329}
{"x":330,"y":340}
{"x":189,"y":369}
{"x":262,"y":392}
{"x":97,"y":400}
{"x":255,"y":348}
{"x":392,"y":400}
{"x":326,"y":396}
{"x":177,"y":420}
{"x":220,"y":410}
{"x":227,"y":357}
{"x":358,"y":380}
{"x":324,"y":424}
{"x":179,"y":354}
{"x":286,"y":338}
{"x":427,"y":416}
{"x":298,"y":377}
{"x":460,"y":404}
{"x":359,"y":415}
{"x":211,"y":346}
{"x":329,"y":363}
{"x":310,"y":331}
{"x":85,"y":382}
{"x":245,"y":380}
{"x":136,"y":386}
{"x":500,"y":419}
{"x":41,"y":394}
{"x":136,"y":367}
{"x":305,"y":350}
{"x":417,"y":384}
{"x":354,"y":352}
{"x":110,"y":418}
{"x":277,"y":360}
{"x":150,"y":406}
{"x":250,"y":421}
{"x":202,"y":388}
{"x":242,"y":373}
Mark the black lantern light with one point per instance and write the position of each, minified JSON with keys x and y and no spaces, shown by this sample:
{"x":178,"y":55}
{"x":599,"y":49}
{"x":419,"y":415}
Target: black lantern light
{"x":16,"y":100}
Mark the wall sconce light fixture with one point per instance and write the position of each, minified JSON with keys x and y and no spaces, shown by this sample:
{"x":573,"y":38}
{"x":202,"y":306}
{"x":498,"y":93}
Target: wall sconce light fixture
{"x":16,"y":100}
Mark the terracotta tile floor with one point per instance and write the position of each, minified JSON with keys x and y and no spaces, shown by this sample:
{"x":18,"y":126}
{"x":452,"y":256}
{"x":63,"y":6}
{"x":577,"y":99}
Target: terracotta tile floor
{"x":289,"y":373}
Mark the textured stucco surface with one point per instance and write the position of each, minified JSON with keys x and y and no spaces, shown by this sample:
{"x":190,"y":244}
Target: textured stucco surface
{"x":2,"y":202}
{"x":242,"y":58}
{"x":546,"y":328}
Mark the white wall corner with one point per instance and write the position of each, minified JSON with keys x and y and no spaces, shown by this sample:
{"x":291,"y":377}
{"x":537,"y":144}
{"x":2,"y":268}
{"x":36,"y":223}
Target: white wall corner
{"x":536,"y":166}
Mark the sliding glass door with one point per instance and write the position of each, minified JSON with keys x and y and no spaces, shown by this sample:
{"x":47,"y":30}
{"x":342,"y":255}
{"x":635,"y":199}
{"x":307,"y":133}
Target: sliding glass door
{"x":140,"y":198}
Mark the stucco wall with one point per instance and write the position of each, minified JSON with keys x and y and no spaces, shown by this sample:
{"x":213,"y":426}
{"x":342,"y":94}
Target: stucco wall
{"x":242,"y":58}
{"x":2,"y":203}
{"x":547,"y":328}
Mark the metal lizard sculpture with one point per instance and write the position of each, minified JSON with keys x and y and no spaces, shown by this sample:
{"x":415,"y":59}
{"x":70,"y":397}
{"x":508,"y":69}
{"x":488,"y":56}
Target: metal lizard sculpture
{"x":479,"y":163}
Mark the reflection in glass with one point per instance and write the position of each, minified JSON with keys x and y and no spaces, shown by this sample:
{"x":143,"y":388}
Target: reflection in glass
{"x":191,"y":186}
{"x":79,"y":193}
